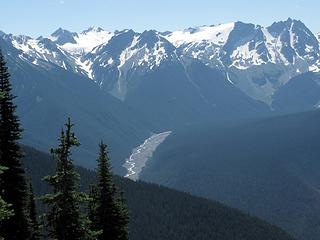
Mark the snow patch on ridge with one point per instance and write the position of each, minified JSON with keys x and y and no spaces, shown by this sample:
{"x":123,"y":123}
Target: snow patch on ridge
{"x":315,"y":68}
{"x":138,"y":55}
{"x":216,"y":34}
{"x":88,"y":40}
{"x":86,"y":66}
{"x":128,"y":52}
{"x":243,"y":57}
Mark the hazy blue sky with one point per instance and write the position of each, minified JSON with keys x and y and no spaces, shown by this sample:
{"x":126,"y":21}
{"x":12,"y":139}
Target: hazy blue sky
{"x":42,"y":17}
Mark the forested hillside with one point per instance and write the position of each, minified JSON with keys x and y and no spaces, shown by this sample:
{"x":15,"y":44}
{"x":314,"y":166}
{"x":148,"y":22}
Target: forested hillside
{"x":269,"y":168}
{"x":160,"y":213}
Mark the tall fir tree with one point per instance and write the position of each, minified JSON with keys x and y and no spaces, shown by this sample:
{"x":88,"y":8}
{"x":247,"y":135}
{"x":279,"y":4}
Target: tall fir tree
{"x":33,"y":216}
{"x":123,"y":218}
{"x":108,"y":212}
{"x":13,"y":188}
{"x":5,"y":211}
{"x":64,"y":219}
{"x":5,"y":208}
{"x":92,"y":207}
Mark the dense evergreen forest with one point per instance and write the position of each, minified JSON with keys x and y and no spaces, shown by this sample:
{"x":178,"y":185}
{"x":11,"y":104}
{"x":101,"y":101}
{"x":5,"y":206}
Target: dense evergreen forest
{"x":68,"y":214}
{"x":268,"y":167}
{"x":160,"y":213}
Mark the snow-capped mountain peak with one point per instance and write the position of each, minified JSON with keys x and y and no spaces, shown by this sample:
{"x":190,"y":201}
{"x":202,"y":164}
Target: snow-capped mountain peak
{"x":39,"y":52}
{"x":243,"y":45}
{"x":297,"y":41}
{"x":281,"y":51}
{"x":86,"y":41}
{"x":214,"y":34}
{"x":82,"y":44}
{"x":128,"y":51}
{"x":140,"y":49}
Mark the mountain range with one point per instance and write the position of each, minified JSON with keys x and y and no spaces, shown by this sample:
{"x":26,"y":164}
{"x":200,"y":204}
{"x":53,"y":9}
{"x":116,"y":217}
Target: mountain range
{"x":155,"y":81}
{"x":275,"y":53}
{"x":124,"y":86}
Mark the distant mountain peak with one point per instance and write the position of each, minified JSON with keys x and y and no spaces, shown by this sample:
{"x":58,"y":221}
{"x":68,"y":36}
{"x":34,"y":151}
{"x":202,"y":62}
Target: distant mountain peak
{"x":61,"y":31}
{"x":290,"y":19}
{"x":230,"y":47}
{"x":62,"y":36}
{"x":149,"y":37}
{"x":293,"y":20}
{"x":93,"y":29}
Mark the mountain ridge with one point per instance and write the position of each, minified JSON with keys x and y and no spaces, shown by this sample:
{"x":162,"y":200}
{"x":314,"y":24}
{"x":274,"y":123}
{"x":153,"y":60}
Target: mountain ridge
{"x":162,"y":85}
{"x":233,"y":48}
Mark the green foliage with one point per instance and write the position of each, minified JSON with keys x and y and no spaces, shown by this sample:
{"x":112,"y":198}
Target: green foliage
{"x":123,"y":218}
{"x":13,"y":188}
{"x":107,"y":210}
{"x":5,"y":209}
{"x":33,"y":216}
{"x":258,"y":166}
{"x":64,"y":218}
{"x":159,"y":213}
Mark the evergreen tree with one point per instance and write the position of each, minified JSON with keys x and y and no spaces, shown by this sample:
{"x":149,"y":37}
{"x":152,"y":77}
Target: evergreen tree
{"x":33,"y":217}
{"x":13,"y":188}
{"x":64,"y":220}
{"x":92,"y":207}
{"x":107,"y":212}
{"x":5,"y":211}
{"x":5,"y":208}
{"x":123,"y":218}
